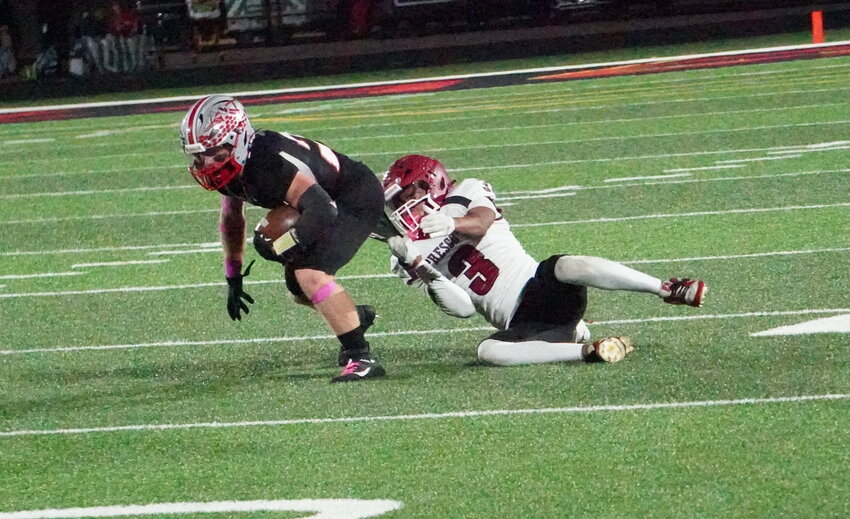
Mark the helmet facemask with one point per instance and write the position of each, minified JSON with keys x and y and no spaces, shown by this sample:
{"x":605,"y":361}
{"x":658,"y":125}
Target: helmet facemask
{"x":406,"y":221}
{"x":216,"y":122}
{"x":214,"y":170}
{"x":429,"y":182}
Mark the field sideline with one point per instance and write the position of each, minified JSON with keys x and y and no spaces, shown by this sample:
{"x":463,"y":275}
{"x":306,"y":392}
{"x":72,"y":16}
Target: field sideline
{"x":126,"y":390}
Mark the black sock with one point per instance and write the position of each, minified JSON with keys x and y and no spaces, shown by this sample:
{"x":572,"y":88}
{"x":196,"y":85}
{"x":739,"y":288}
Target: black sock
{"x":354,"y":340}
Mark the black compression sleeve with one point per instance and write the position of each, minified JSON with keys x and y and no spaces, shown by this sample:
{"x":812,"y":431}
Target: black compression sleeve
{"x":317,"y":213}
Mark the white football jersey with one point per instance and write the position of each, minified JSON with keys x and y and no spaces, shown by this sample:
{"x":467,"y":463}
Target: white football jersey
{"x":493,"y":271}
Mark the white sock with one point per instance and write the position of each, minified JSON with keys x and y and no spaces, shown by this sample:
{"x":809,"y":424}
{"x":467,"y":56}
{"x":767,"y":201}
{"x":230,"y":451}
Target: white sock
{"x":605,"y":274}
{"x":503,"y":353}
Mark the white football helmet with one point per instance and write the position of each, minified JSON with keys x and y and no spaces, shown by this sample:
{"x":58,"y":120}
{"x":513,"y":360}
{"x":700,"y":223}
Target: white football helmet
{"x":424,"y":171}
{"x":215,"y":121}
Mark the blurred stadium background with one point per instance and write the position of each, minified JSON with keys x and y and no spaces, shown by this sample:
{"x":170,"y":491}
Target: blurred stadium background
{"x":195,"y":42}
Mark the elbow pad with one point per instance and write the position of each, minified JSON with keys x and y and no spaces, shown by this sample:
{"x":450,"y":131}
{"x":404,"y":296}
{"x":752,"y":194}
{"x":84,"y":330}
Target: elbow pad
{"x":317,"y":213}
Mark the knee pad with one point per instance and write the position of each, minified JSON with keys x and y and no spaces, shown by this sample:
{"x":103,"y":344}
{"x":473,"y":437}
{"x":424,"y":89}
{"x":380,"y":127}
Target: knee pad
{"x":572,"y":269}
{"x":491,"y":351}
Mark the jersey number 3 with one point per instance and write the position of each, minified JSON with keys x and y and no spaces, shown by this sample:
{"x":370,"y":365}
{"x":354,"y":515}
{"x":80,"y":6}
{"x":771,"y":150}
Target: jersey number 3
{"x":467,"y":261}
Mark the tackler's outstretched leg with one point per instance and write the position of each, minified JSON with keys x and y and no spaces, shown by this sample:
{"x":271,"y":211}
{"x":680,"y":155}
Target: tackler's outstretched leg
{"x":605,"y":274}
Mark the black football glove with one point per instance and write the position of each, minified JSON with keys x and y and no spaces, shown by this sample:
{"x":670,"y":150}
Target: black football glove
{"x":235,"y":295}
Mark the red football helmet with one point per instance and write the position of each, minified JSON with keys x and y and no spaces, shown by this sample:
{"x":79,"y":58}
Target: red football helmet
{"x":428,"y":174}
{"x":212,"y":122}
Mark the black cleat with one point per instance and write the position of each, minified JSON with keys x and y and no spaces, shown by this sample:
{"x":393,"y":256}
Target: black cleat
{"x":367,"y":315}
{"x":360,"y":369}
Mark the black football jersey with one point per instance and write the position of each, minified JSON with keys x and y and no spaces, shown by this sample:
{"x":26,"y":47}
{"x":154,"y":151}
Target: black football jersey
{"x":273,"y":161}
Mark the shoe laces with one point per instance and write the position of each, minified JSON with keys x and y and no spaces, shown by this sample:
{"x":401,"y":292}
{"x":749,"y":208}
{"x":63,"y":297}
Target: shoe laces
{"x":680,"y":287}
{"x":352,"y":367}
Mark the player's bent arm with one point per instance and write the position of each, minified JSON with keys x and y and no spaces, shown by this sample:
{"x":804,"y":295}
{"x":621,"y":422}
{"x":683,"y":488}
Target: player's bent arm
{"x":315,"y":206}
{"x":476,"y":222}
{"x":449,"y":297}
{"x":232,"y":228}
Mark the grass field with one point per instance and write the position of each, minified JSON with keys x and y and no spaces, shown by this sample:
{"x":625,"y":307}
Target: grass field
{"x":122,"y":381}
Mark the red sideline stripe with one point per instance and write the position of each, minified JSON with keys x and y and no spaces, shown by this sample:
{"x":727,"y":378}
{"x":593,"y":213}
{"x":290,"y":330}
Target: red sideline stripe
{"x":337,"y":93}
{"x":38,"y":116}
{"x":698,"y":63}
{"x":377,"y":90}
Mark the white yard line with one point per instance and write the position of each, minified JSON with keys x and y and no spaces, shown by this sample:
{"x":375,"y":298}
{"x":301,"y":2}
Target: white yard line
{"x":760,"y":159}
{"x":444,"y":119}
{"x":262,"y":340}
{"x":505,"y":145}
{"x":705,"y":168}
{"x":646,"y":87}
{"x":88,"y":192}
{"x":490,"y":128}
{"x":811,"y":150}
{"x":216,"y":249}
{"x":118,"y":263}
{"x":536,"y":197}
{"x":738,"y":256}
{"x":116,"y":216}
{"x":43,"y":275}
{"x":107,"y":249}
{"x":541,"y":192}
{"x":651,"y":177}
{"x":617,"y":159}
{"x":700,"y":180}
{"x":54,"y":174}
{"x":306,"y":508}
{"x":391,"y":276}
{"x":704,"y":99}
{"x":682,"y":215}
{"x":440,"y":121}
{"x":29,"y":141}
{"x":124,"y":290}
{"x":436,"y":416}
{"x":502,"y":145}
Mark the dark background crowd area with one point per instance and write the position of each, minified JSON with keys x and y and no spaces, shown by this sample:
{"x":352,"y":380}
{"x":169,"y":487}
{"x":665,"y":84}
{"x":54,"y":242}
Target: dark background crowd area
{"x":59,"y":47}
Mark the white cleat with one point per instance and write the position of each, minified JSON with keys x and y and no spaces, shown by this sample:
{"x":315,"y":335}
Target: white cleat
{"x":610,"y":349}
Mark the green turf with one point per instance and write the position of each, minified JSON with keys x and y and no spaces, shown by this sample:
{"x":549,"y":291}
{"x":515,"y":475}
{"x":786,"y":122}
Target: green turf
{"x":150,"y":343}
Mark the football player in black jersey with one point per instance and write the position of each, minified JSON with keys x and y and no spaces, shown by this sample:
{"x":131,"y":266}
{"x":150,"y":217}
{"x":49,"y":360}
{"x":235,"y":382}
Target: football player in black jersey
{"x":339,"y":200}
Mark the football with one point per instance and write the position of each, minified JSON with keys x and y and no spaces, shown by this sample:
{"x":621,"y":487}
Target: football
{"x":277,"y":222}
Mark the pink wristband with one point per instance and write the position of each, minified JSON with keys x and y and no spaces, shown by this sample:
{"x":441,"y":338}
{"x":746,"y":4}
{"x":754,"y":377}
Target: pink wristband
{"x":232,"y":268}
{"x":323,"y":293}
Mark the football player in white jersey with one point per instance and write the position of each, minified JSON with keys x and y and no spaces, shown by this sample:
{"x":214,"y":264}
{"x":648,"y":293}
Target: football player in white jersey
{"x":455,"y":244}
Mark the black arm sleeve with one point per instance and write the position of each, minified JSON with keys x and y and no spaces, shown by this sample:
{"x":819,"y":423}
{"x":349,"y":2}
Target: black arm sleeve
{"x":317,"y":213}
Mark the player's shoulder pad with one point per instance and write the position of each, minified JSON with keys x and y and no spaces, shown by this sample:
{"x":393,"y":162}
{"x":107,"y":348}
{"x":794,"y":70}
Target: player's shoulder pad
{"x":470,"y":190}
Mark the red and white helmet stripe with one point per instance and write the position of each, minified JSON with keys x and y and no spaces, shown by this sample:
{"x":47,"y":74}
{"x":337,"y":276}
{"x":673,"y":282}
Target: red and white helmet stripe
{"x":213,"y":121}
